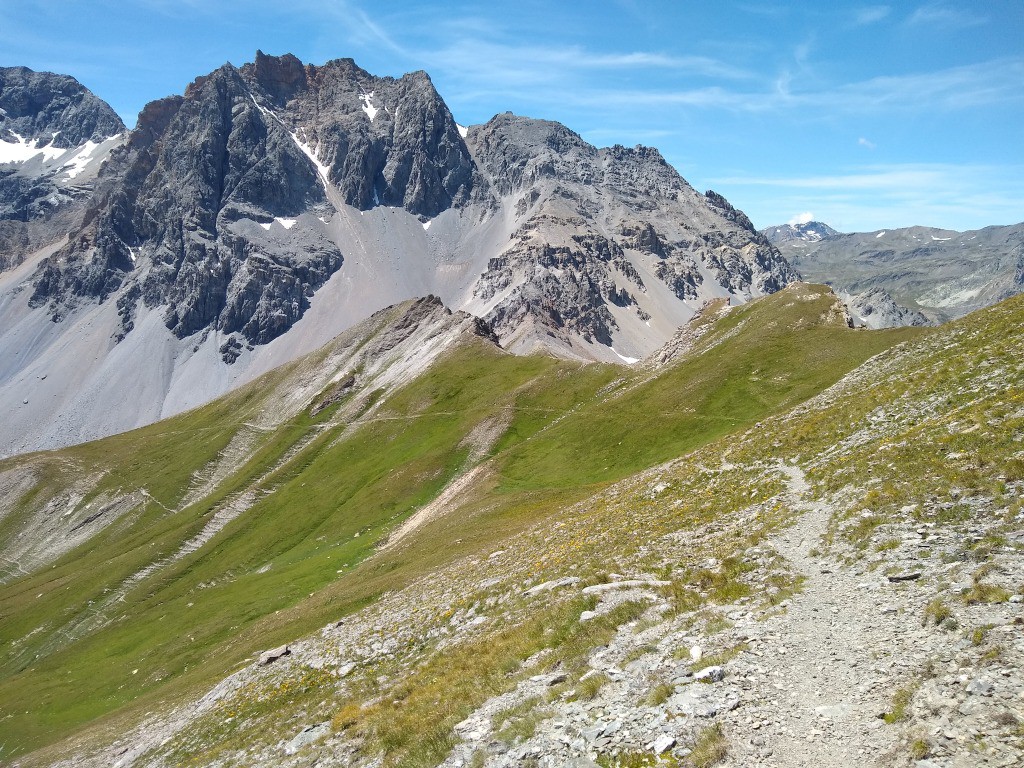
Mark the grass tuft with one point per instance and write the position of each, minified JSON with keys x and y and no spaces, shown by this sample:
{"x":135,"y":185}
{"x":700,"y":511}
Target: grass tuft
{"x":709,"y":748}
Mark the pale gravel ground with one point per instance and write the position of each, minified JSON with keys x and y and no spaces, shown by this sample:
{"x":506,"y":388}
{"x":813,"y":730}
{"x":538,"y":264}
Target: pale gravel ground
{"x":817,"y":690}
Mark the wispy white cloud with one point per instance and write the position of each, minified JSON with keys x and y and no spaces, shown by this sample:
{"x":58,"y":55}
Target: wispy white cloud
{"x":870,"y":14}
{"x":801,"y":218}
{"x":492,"y":63}
{"x":935,"y":14}
{"x":877,"y":196}
{"x":992,"y":82}
{"x":874,"y":177}
{"x":350,"y":21}
{"x":866,"y":143}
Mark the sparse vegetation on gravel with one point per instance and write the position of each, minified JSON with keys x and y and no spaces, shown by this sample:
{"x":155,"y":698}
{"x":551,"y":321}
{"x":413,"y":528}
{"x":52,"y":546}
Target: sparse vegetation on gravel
{"x":805,"y":565}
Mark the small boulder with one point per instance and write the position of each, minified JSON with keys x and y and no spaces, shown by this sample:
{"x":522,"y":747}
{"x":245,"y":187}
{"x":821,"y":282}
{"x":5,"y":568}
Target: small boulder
{"x":979,"y":687}
{"x":307,"y":736}
{"x":663,"y":744}
{"x":713,"y":674}
{"x":269,"y":657}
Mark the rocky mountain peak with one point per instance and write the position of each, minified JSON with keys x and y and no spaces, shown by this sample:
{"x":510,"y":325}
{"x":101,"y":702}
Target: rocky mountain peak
{"x":229,"y":211}
{"x":52,"y":110}
{"x":279,"y":77}
{"x":517,"y":152}
{"x":54,"y":137}
{"x":809,"y":231}
{"x":730,"y":212}
{"x":382,"y":141}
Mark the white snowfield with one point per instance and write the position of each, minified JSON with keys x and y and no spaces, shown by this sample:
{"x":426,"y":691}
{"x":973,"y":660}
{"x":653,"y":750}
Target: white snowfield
{"x":370,"y":110}
{"x":23,"y":150}
{"x":65,"y":163}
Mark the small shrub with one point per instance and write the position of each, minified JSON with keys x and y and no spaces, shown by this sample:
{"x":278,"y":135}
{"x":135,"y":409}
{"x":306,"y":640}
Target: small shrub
{"x":1006,"y":719}
{"x":919,"y":749}
{"x":936,"y":612}
{"x":683,"y":598}
{"x":588,"y":687}
{"x":900,"y":704}
{"x":346,"y":717}
{"x":632,"y":760}
{"x":992,"y":654}
{"x":709,"y":748}
{"x":658,"y":695}
{"x":985,"y":593}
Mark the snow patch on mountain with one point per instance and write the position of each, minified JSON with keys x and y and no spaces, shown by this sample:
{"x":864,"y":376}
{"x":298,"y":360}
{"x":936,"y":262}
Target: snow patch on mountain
{"x":370,"y":110}
{"x":21,"y":150}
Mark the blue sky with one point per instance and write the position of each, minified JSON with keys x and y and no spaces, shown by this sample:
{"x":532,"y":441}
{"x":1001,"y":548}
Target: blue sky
{"x":866,"y":116}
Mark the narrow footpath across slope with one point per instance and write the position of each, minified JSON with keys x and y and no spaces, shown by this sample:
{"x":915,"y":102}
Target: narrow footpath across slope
{"x":829,"y":666}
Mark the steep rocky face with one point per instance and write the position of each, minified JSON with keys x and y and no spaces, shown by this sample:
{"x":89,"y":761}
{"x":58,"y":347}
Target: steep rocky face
{"x":52,"y":110}
{"x":175,"y":210}
{"x":382,"y":141}
{"x":600,"y":227}
{"x":54,"y":133}
{"x":282,"y":146}
{"x":259,"y":145}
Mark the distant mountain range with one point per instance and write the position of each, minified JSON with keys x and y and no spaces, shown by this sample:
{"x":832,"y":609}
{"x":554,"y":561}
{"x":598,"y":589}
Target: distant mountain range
{"x":808,"y":232}
{"x":276,"y":204}
{"x":933,"y":274}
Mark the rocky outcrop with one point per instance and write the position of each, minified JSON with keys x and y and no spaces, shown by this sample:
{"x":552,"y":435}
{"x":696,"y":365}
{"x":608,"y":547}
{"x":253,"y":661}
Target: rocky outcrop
{"x":176,"y":213}
{"x":52,"y":135}
{"x":595,"y":222}
{"x":177,"y":194}
{"x":877,"y":309}
{"x":52,"y":110}
{"x":383,"y":141}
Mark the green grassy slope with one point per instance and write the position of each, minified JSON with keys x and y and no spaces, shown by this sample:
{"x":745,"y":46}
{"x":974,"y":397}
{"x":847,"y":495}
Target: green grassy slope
{"x":303,"y":554}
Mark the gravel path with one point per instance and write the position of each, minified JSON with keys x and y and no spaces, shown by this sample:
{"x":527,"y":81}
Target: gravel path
{"x":826,"y":666}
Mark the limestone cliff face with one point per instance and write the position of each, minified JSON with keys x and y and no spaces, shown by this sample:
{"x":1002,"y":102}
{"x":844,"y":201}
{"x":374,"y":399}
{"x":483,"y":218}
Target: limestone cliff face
{"x":594,"y":219}
{"x":172,"y":222}
{"x":51,"y":127}
{"x":216,"y":211}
